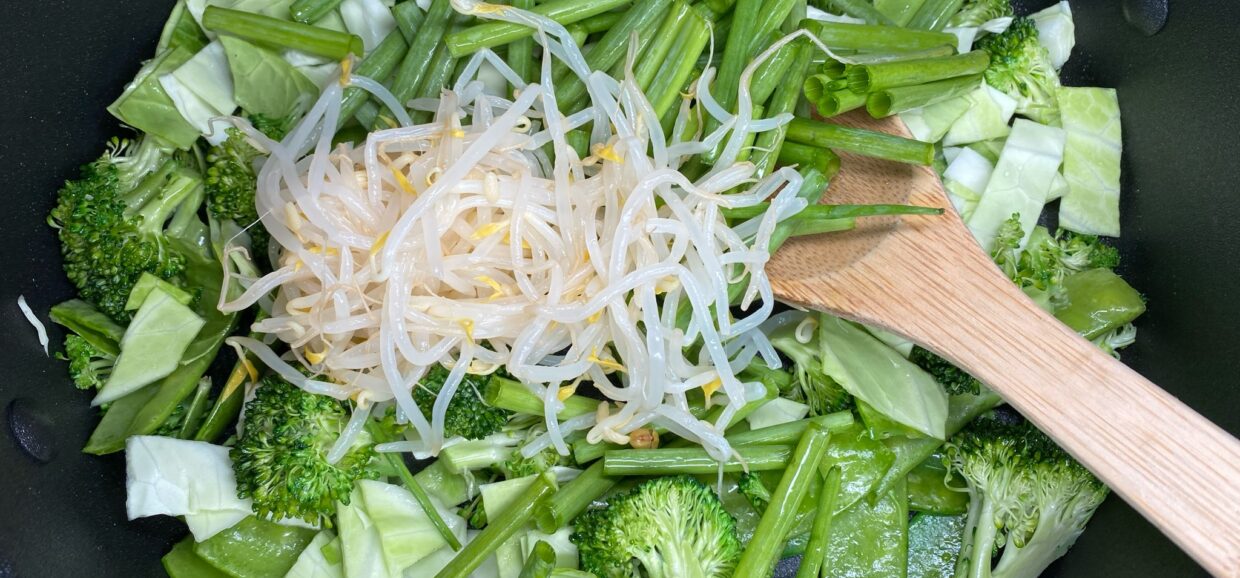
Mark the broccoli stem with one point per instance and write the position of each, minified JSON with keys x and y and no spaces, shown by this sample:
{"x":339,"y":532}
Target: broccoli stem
{"x":820,"y":533}
{"x":513,"y":396}
{"x":655,"y":54}
{"x":861,"y":9}
{"x":540,"y":562}
{"x":780,"y":515}
{"x":934,"y":14}
{"x":397,"y":464}
{"x":883,"y":75}
{"x":668,"y":461}
{"x":896,"y":100}
{"x":310,"y":11}
{"x":270,"y":31}
{"x":876,"y":38}
{"x":493,"y":34}
{"x":643,"y":17}
{"x":500,"y":529}
{"x":860,"y":141}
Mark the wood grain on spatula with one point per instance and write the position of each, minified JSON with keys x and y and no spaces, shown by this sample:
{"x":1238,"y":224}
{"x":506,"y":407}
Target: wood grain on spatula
{"x":925,"y":277}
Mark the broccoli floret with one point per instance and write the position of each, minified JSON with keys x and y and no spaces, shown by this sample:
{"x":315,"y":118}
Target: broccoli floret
{"x":811,"y":385}
{"x":977,"y":12}
{"x":1039,"y":269}
{"x":469,"y":415}
{"x":281,"y":457}
{"x":111,"y":222}
{"x":1029,"y":500}
{"x":953,"y":379}
{"x":88,"y":366}
{"x":750,"y":485}
{"x":519,"y":466}
{"x":1022,"y":68}
{"x":231,"y":183}
{"x":664,"y":528}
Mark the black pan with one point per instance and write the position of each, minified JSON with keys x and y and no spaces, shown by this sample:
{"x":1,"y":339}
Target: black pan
{"x":62,"y":513}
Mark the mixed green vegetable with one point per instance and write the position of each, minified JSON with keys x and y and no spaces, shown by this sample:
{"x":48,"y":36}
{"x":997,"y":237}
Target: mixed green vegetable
{"x":867,"y":455}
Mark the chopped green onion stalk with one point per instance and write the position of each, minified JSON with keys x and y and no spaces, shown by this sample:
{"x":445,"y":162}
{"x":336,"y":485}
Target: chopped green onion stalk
{"x":784,"y":100}
{"x":540,"y":562}
{"x":514,"y":396}
{"x":768,"y":538}
{"x":409,"y":18}
{"x":310,"y":11}
{"x":790,"y":433}
{"x":521,"y":52}
{"x":876,"y":38}
{"x":809,"y":156}
{"x":862,"y":9}
{"x":664,"y":90}
{"x":644,"y":17}
{"x":836,"y":69}
{"x":860,"y":141}
{"x":874,"y":77}
{"x":934,"y":14}
{"x":396,"y":463}
{"x":414,"y":68}
{"x":500,"y":529}
{"x":667,"y":461}
{"x":838,"y":102}
{"x":270,"y":31}
{"x":652,"y":57}
{"x":491,"y":34}
{"x":573,"y":498}
{"x":379,"y":64}
{"x":896,"y":100}
{"x":438,"y":77}
{"x":820,"y":532}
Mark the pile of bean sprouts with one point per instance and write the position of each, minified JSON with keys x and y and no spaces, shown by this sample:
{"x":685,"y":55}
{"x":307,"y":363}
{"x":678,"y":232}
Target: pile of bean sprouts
{"x":482,"y":240}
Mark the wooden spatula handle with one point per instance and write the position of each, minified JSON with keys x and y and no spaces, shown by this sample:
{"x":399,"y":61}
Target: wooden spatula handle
{"x":1171,"y":464}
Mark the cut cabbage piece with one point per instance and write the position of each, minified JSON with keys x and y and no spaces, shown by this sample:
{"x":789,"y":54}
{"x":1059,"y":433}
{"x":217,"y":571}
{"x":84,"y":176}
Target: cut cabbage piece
{"x":777,"y":411}
{"x":988,"y":115}
{"x":172,"y":477}
{"x":153,"y":344}
{"x":370,"y":20}
{"x":965,"y":179}
{"x":1091,"y":160}
{"x":360,"y":546}
{"x":311,"y":563}
{"x":207,"y":75}
{"x":1020,"y":182}
{"x":930,"y":123}
{"x":880,"y":376}
{"x":1057,"y":32}
{"x":497,"y":496}
{"x":1059,"y":185}
{"x":406,"y":533}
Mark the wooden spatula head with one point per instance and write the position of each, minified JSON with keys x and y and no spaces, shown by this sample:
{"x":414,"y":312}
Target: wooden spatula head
{"x":925,"y":277}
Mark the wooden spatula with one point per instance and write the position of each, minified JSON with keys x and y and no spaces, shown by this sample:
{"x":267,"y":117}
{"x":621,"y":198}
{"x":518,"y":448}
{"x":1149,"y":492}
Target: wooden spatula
{"x":924,"y":277}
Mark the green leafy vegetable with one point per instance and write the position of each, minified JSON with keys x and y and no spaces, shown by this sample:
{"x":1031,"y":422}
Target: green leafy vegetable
{"x":1091,"y":160}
